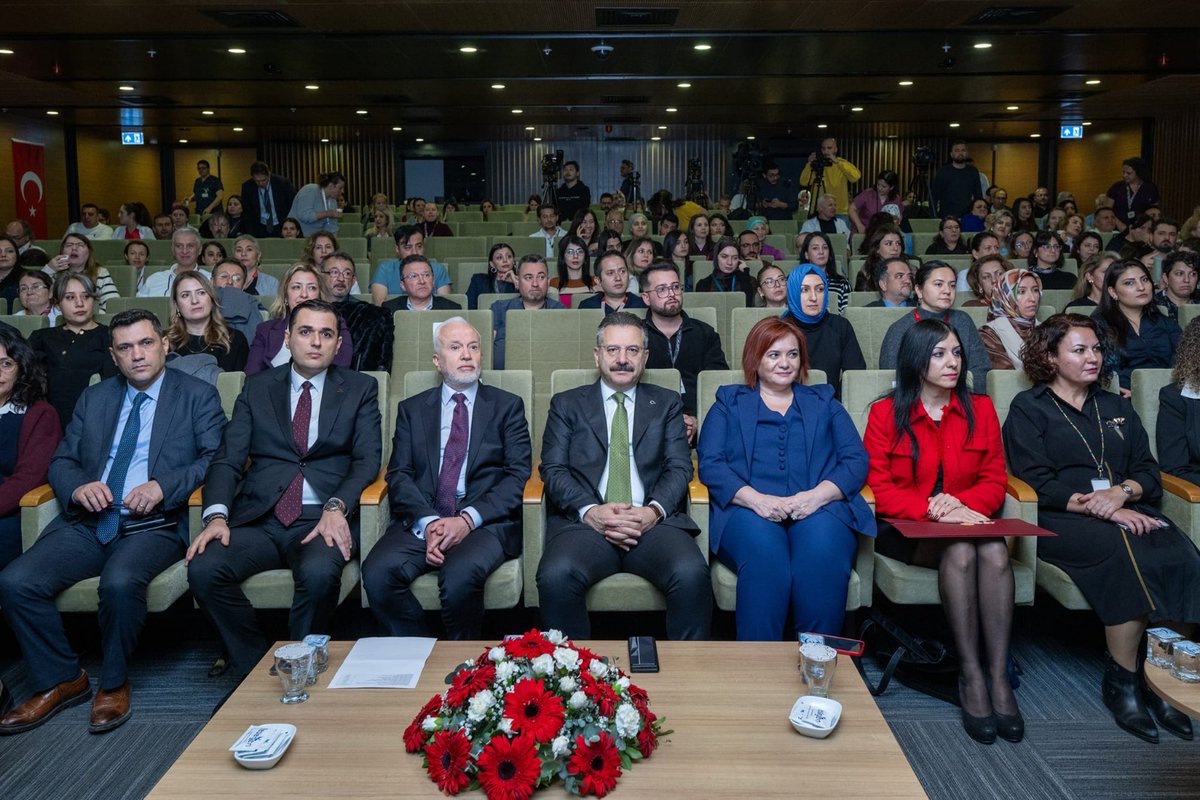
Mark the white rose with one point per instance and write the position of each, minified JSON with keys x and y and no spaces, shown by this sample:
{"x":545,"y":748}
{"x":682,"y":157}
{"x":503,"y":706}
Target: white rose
{"x":497,"y":654}
{"x":629,"y":721}
{"x":478,"y":707}
{"x":429,"y":723}
{"x":567,"y":684}
{"x":623,"y":682}
{"x":577,"y":701}
{"x":567,"y":659}
{"x":555,"y":636}
{"x":506,"y":725}
{"x":505,"y":671}
{"x":598,"y":668}
{"x":560,"y":747}
{"x":543,"y":664}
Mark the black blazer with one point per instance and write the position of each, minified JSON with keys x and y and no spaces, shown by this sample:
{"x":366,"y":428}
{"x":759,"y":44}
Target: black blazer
{"x":340,"y":463}
{"x":499,"y":460}
{"x":282,"y":194}
{"x":575,"y":453}
{"x":1178,"y":433}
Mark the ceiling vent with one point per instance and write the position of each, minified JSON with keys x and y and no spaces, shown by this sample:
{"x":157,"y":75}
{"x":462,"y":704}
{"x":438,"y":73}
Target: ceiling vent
{"x":1022,"y":16}
{"x":252,"y":18}
{"x":635,"y":17}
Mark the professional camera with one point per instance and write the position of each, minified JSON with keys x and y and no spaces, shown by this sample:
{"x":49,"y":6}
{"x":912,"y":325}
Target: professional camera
{"x":693,"y":187}
{"x":923,"y":157}
{"x":552,"y":165}
{"x":749,"y":160}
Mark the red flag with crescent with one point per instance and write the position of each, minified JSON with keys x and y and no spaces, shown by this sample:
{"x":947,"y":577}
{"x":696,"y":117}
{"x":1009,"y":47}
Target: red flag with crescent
{"x":29,"y":181}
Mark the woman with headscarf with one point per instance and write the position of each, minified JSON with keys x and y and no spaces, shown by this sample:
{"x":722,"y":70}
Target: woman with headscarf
{"x":1015,"y":301}
{"x":829,"y":338}
{"x":762,"y":229}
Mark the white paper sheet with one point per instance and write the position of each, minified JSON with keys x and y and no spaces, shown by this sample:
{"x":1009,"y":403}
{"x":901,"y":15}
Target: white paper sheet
{"x":384,"y":662}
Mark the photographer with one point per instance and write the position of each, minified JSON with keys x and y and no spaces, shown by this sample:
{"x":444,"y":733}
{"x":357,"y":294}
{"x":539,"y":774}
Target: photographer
{"x":776,"y":198}
{"x":835,"y":173}
{"x":573,"y":194}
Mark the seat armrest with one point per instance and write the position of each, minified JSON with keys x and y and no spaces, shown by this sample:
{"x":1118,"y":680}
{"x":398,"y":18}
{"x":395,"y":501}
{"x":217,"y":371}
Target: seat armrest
{"x":533,"y":489}
{"x":1176,"y":486}
{"x":867,"y":495}
{"x":1021,"y":490}
{"x":697,"y":491}
{"x":533,"y":536}
{"x":375,"y":492}
{"x":36,"y":496}
{"x":197,"y":497}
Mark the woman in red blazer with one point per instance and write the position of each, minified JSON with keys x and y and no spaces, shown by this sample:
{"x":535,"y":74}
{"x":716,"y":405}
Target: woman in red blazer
{"x":936,"y":454}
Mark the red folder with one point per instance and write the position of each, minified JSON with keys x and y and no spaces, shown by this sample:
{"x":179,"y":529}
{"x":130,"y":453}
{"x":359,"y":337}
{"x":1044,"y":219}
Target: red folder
{"x":927,"y":529}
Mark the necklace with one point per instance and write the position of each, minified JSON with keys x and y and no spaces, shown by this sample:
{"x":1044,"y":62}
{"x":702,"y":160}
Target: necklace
{"x":1100,"y":463}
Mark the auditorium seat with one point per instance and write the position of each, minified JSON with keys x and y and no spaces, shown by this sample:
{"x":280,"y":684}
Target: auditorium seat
{"x":413,"y":344}
{"x":1180,"y":498}
{"x":741,"y":320}
{"x":870,"y":326}
{"x":25,"y":324}
{"x":439,"y":247}
{"x":724,"y":302}
{"x":489,"y":228}
{"x":160,"y":306}
{"x":1055,"y":297}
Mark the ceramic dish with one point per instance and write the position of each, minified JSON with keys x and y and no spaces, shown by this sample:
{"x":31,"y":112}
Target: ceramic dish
{"x":815,"y":716}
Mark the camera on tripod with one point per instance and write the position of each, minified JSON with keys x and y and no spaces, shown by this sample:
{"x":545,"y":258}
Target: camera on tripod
{"x":923,"y":157}
{"x":749,"y":160}
{"x":552,"y":165}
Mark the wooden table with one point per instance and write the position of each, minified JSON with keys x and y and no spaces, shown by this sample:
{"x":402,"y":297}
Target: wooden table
{"x":727,"y":703}
{"x":1184,"y":696}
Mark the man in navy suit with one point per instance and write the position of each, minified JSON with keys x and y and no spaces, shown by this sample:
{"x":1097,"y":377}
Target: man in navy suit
{"x":310,"y":431}
{"x":266,"y":199}
{"x":136,"y":448}
{"x":460,"y":460}
{"x":620,"y":508}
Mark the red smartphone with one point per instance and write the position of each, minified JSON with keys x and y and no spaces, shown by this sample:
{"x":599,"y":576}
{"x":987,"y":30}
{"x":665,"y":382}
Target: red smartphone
{"x":843,"y":644}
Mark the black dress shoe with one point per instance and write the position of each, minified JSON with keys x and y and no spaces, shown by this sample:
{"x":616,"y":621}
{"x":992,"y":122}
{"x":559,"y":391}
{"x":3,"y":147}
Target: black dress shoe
{"x":1120,"y":691}
{"x":981,"y":729}
{"x":1010,"y":727}
{"x":219,"y":667}
{"x":1175,"y":721}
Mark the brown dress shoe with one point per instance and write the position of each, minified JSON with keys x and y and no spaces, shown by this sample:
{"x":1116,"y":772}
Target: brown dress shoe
{"x":110,"y":709}
{"x":44,"y":705}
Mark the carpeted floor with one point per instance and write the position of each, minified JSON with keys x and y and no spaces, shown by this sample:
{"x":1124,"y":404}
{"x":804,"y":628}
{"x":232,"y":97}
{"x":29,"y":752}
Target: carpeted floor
{"x":1072,"y":748}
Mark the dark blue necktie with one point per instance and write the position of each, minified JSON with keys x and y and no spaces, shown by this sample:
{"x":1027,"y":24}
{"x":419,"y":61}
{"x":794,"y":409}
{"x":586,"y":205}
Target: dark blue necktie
{"x":452,"y":459}
{"x":110,"y":519}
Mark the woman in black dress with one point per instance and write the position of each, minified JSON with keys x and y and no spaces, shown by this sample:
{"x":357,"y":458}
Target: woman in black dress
{"x":1085,"y":452}
{"x":729,"y":272}
{"x":197,"y":325}
{"x":832,"y":345}
{"x":1138,"y":334}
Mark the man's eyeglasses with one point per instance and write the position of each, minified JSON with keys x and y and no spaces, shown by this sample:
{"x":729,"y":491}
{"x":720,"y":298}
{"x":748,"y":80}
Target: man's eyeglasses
{"x":668,"y":289}
{"x":340,"y":273}
{"x":418,"y":275}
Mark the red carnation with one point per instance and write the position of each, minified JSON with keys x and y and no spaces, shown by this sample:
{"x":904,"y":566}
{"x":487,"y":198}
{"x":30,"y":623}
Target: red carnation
{"x":415,"y":736}
{"x":639,"y":698}
{"x":602,"y":694}
{"x":530,"y":645}
{"x":598,"y":765}
{"x":586,"y":657}
{"x":648,"y":737}
{"x":467,"y":682}
{"x":509,"y":768}
{"x":449,"y":755}
{"x":533,"y":710}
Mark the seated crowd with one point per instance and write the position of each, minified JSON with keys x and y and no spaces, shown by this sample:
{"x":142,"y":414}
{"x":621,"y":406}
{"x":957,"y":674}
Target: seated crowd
{"x":784,"y":466}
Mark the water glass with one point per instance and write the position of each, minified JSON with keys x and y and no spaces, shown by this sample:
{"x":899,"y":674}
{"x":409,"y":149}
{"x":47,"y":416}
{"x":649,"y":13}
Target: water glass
{"x":320,"y":643}
{"x":1187,"y":661}
{"x":293,"y":662}
{"x":819,"y":662}
{"x":1158,"y":646}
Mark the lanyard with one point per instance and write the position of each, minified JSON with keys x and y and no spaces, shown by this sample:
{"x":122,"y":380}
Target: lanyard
{"x":674,"y":343}
{"x":1099,"y":427}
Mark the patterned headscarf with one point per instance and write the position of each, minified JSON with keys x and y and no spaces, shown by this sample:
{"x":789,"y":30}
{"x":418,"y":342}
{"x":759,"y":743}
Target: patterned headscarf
{"x":795,"y":282}
{"x":1004,"y":296}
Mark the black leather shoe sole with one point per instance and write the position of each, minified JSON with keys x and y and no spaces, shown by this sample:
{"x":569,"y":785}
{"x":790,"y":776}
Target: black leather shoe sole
{"x":82,"y":697}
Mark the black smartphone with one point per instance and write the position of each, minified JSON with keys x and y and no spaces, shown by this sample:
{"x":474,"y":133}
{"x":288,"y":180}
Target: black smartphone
{"x":843,"y":644}
{"x":643,"y":654}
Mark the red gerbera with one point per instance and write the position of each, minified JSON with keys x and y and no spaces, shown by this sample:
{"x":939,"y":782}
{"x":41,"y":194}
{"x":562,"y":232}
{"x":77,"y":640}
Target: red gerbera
{"x":530,"y":645}
{"x":449,"y":755}
{"x":414,"y":735}
{"x":509,"y":768}
{"x":467,"y":682}
{"x":648,"y":737}
{"x":533,"y":710}
{"x":598,"y":765}
{"x":602,"y":694}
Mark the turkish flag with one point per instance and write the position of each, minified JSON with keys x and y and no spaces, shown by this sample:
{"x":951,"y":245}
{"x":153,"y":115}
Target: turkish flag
{"x":29,"y":173}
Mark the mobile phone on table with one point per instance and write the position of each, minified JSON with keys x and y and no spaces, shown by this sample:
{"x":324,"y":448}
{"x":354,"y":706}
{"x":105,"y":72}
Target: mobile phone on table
{"x":843,"y":644}
{"x":643,"y":654}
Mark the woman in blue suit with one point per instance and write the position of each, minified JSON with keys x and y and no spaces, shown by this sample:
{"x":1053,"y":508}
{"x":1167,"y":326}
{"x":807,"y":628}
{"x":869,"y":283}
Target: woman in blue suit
{"x":784,"y":464}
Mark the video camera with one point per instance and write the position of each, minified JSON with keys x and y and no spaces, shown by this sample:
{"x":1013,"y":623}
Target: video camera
{"x":552,"y":164}
{"x":923,"y":157}
{"x":748,"y":160}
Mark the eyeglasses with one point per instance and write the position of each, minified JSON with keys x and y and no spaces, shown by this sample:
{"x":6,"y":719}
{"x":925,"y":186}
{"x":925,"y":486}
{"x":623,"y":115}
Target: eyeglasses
{"x":340,"y":273}
{"x":614,"y":350}
{"x":573,"y":251}
{"x":34,"y":289}
{"x":668,"y":289}
{"x":74,"y":246}
{"x":418,"y":275}
{"x":773,"y":282}
{"x":1051,"y":245}
{"x":7,"y":365}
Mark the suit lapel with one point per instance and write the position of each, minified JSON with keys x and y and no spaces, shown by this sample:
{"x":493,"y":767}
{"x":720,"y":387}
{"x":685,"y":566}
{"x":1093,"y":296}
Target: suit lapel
{"x":593,"y":412}
{"x":479,"y":420}
{"x":432,"y":431}
{"x":642,"y":409}
{"x":332,"y":400}
{"x":808,"y":413}
{"x":278,"y":391}
{"x":747,"y":412}
{"x":112,"y":414}
{"x":164,"y":412}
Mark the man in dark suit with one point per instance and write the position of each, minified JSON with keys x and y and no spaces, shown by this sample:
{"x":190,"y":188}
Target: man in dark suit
{"x":619,"y":508}
{"x":416,"y":276}
{"x":311,"y":433}
{"x":266,"y":199}
{"x":136,"y":448}
{"x":460,"y":460}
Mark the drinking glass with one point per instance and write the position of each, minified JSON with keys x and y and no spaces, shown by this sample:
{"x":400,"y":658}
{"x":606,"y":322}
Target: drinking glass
{"x":819,"y":664}
{"x":293,"y":662}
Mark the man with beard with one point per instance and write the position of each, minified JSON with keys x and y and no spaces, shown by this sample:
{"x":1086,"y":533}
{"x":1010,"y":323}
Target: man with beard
{"x":956,"y":185}
{"x":677,"y":340}
{"x":371,"y":327}
{"x":533,"y":279}
{"x":1041,"y":202}
{"x":1163,"y":234}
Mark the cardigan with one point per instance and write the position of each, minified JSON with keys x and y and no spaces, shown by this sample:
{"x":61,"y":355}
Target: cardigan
{"x":40,"y":435}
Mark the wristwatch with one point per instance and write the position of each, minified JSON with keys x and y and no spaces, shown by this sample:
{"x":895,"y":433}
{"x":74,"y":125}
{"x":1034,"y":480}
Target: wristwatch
{"x":1127,"y":489}
{"x":215,"y":515}
{"x":335,"y":504}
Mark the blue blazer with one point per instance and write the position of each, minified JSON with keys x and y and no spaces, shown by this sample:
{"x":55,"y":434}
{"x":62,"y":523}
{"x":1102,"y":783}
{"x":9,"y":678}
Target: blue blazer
{"x":188,"y":422}
{"x":833,"y":451}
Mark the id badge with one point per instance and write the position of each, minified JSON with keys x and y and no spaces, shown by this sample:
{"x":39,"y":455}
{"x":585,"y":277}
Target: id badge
{"x":1099,"y":484}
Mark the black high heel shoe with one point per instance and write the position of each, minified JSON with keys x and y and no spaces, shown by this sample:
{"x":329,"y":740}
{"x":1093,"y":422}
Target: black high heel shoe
{"x":1010,"y":727}
{"x":981,"y":729}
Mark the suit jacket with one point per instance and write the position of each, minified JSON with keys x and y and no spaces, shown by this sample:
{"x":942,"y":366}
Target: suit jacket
{"x":499,"y":459}
{"x":342,"y":461}
{"x":832,"y":452}
{"x":1178,"y":433}
{"x":283,"y":196}
{"x":188,"y":421}
{"x":575,"y":453}
{"x":439,"y":304}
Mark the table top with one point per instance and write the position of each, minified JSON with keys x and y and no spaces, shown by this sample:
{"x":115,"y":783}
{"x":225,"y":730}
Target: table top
{"x":727,"y":703}
{"x":1182,"y":695}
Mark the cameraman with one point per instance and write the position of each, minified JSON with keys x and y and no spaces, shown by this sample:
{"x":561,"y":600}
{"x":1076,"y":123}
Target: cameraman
{"x":573,"y":195}
{"x":776,"y":198}
{"x":838,"y":175}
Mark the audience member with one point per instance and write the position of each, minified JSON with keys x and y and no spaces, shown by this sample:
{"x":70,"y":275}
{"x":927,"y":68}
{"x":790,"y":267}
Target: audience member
{"x":894,"y":282}
{"x":499,"y":276}
{"x":639,"y":254}
{"x":301,"y":283}
{"x":868,"y":202}
{"x":211,"y":254}
{"x":78,"y":257}
{"x":759,"y":227}
{"x":1178,"y":427}
{"x":1134,"y":193}
{"x":21,"y":232}
{"x":699,"y":245}
{"x":1047,"y":261}
{"x":827,"y":219}
{"x":533,"y":280}
{"x":248,"y":254}
{"x":315,"y":204}
{"x":207,"y":190}
{"x":718,"y":226}
{"x":135,"y":222}
{"x":185,"y":245}
{"x":815,"y":248}
{"x":89,"y":225}
{"x":613,"y":277}
{"x":1023,"y":217}
{"x":772,"y":287}
{"x":585,"y":226}
{"x":1089,"y":285}
{"x":430,"y":225}
{"x":982,"y":276}
{"x":1016,"y":298}
{"x":179,"y":218}
{"x":1164,"y":233}
{"x":417,"y":280}
{"x":573,"y":194}
{"x":266,"y":199}
{"x":291,"y":229}
{"x":1136,"y":333}
{"x":829,"y":339}
{"x":976,"y":217}
{"x":837,"y":175}
{"x":549,"y":232}
{"x":729,"y":271}
{"x":949,"y":241}
{"x":163,"y":227}
{"x":1180,"y":270}
{"x":198,"y":327}
{"x":885,"y":242}
{"x":371,"y":327}
{"x":956,"y":186}
{"x":574,"y":271}
{"x":10,"y":275}
{"x":233,"y":210}
{"x":388,"y":276}
{"x":1086,"y":245}
{"x":35,"y":293}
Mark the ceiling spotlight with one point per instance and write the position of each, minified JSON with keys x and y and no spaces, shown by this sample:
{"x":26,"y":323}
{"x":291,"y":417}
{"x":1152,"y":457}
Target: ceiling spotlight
{"x":672,"y":110}
{"x":312,"y":87}
{"x":497,"y":85}
{"x":468,"y":49}
{"x":906,"y":83}
{"x":656,"y":138}
{"x":662,"y":127}
{"x":207,"y":113}
{"x":856,"y":108}
{"x":822,"y":126}
{"x":4,"y":51}
{"x":1093,"y":82}
{"x":684,"y":85}
{"x":537,"y":138}
{"x":702,"y":47}
{"x":983,"y":45}
{"x":397,"y":128}
{"x":237,"y":51}
{"x":125,"y":87}
{"x":750,"y":138}
{"x":183,"y":141}
{"x":52,"y":113}
{"x":362,"y":112}
{"x":1035,"y":136}
{"x":324,"y":140}
{"x":1087,"y":123}
{"x":1011,"y":108}
{"x":953,"y":124}
{"x":528,"y":127}
{"x":518,"y":111}
{"x":419,"y":139}
{"x":238,"y":130}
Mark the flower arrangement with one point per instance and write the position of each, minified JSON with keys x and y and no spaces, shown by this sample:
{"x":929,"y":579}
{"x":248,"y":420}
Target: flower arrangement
{"x":531,"y":710}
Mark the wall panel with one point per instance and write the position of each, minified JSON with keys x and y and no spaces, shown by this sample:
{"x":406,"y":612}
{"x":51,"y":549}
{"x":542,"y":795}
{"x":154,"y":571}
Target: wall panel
{"x":55,"y":178}
{"x":231,"y":165}
{"x":369,"y":163}
{"x":111,"y":173}
{"x":1088,"y":166}
{"x":1177,"y":163}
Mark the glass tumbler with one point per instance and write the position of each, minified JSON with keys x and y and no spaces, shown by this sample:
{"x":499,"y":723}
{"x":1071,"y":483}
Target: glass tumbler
{"x":819,"y":662}
{"x":293,"y":662}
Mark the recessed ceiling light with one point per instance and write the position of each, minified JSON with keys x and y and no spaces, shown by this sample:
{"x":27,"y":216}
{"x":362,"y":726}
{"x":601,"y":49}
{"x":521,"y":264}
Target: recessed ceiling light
{"x":537,"y":138}
{"x":324,"y":140}
{"x":1087,"y":123}
{"x":856,"y":108}
{"x":702,"y":47}
{"x":906,"y":83}
{"x":672,"y":110}
{"x":983,"y":45}
{"x":1035,"y":136}
{"x":397,"y":128}
{"x":237,"y":51}
{"x":468,"y":49}
{"x":126,"y":88}
{"x":419,"y":139}
{"x":822,"y":125}
{"x":5,"y":52}
{"x":1093,"y":82}
{"x":312,"y":87}
{"x":207,"y":113}
{"x":362,"y":112}
{"x":750,"y":138}
{"x":528,"y":127}
{"x":183,"y":141}
{"x":1011,"y":108}
{"x":238,"y":130}
{"x":684,"y":85}
{"x":656,"y":138}
{"x":518,"y":111}
{"x":893,"y":136}
{"x":662,"y":127}
{"x":497,"y":85}
{"x":52,"y":113}
{"x":953,"y":124}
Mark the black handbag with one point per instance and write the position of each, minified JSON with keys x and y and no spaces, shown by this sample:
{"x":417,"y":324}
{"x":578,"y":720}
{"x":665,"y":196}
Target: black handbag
{"x":925,"y":665}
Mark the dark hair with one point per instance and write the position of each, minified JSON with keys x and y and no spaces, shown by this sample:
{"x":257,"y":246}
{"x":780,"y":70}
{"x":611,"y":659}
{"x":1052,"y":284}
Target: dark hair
{"x":260,"y":168}
{"x":669,"y":217}
{"x":891,"y":179}
{"x":1109,"y":310}
{"x":204,"y":161}
{"x":881,"y":268}
{"x":672,"y":239}
{"x":139,"y":211}
{"x":977,"y":265}
{"x":743,"y":233}
{"x":978,"y":239}
{"x":658,"y":265}
{"x":1186,"y":256}
{"x":132,"y":316}
{"x":606,"y":194}
{"x":1139,"y":165}
{"x":1079,"y":240}
{"x":603,"y":254}
{"x":415,"y":258}
{"x":571,"y":163}
{"x":36,"y":273}
{"x":721,"y":244}
{"x":603,"y":238}
{"x":622,"y":318}
{"x":1044,"y":340}
{"x":233,"y":262}
{"x":330,"y":178}
{"x":912,"y":361}
{"x":30,"y":384}
{"x":759,"y":340}
{"x":926,"y":269}
{"x":314,"y":305}
{"x":563,"y":277}
{"x":89,"y":205}
{"x":723,"y":219}
{"x":4,"y":237}
{"x":872,"y":239}
{"x":1164,"y":221}
{"x":579,"y":217}
{"x":405,"y":232}
{"x":1042,"y":238}
{"x":545,"y":206}
{"x":530,"y":258}
{"x":1138,"y":250}
{"x":831,"y":266}
{"x":497,"y":247}
{"x":295,"y":222}
{"x":341,"y":255}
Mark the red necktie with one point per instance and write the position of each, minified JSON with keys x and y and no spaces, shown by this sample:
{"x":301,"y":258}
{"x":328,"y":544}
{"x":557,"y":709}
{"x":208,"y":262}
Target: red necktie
{"x":452,"y":459}
{"x":287,"y":510}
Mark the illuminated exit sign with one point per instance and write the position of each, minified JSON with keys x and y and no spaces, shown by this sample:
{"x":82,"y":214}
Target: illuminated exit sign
{"x":1070,"y":131}
{"x":132,"y":137}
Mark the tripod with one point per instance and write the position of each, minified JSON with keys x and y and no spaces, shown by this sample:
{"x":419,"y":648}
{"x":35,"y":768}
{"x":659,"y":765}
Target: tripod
{"x":919,"y":186}
{"x":550,"y":188}
{"x":815,"y":190}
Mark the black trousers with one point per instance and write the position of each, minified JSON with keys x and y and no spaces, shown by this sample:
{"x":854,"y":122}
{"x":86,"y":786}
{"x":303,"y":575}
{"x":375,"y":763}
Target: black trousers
{"x":216,"y":576}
